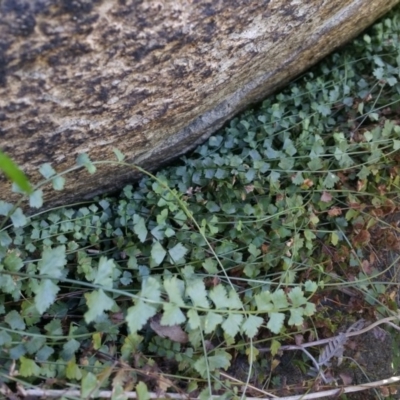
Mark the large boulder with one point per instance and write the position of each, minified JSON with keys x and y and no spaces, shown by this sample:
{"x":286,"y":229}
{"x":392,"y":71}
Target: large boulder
{"x":152,"y":78}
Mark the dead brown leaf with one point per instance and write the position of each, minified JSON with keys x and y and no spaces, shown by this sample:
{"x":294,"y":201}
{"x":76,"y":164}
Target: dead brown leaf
{"x":347,"y":379}
{"x":275,"y":362}
{"x":264,"y":248}
{"x":382,"y":189}
{"x":163,"y":384}
{"x":351,"y":344}
{"x":326,"y":197}
{"x":385,"y":392}
{"x":334,"y":211}
{"x":389,"y":207}
{"x":366,"y":267}
{"x":361,"y":185}
{"x":356,"y":206}
{"x":249,"y":188}
{"x":173,"y":332}
{"x":117,"y":317}
{"x":362,"y":238}
{"x":307,"y":183}
{"x":299,"y":339}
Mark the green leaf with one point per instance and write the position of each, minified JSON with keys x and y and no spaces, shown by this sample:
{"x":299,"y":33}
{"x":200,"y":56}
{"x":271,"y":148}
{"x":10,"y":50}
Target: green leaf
{"x":142,"y":392}
{"x":13,"y":261}
{"x":45,"y":295}
{"x":274,"y":176}
{"x":174,"y":288}
{"x":234,"y":301}
{"x":211,"y":321}
{"x":204,"y":366}
{"x":172,"y":315}
{"x":83,"y":160}
{"x":310,"y":286}
{"x":279,"y":299}
{"x":54,"y":328}
{"x":17,"y":351}
{"x":5,"y":339}
{"x":298,"y":178}
{"x":391,"y":80}
{"x":344,"y":159}
{"x":309,"y":309}
{"x":139,"y":314}
{"x":251,"y":325}
{"x":330,"y":180}
{"x":196,"y":290}
{"x":69,"y":349}
{"x":253,"y":250}
{"x":46,"y":170}
{"x":140,"y":228}
{"x":104,"y":273}
{"x":289,"y":147}
{"x":58,"y":183}
{"x":16,"y":189}
{"x":151,"y":289}
{"x":118,"y":154}
{"x":44,"y":353}
{"x":36,"y":199}
{"x":232,"y":324}
{"x":194,"y":319}
{"x":275,"y":322}
{"x":275,"y":346}
{"x":219,"y":297}
{"x":89,"y":386}
{"x":5,"y":208}
{"x":396,"y":144}
{"x":296,"y":296}
{"x":14,"y":320}
{"x":131,"y":345}
{"x":97,"y":302}
{"x":205,"y":394}
{"x":126,"y":278}
{"x":210,"y":265}
{"x":18,"y":218}
{"x":368,"y":136}
{"x":53,"y":261}
{"x":324,"y":109}
{"x":72,"y":370}
{"x":296,"y":316}
{"x":177,"y":252}
{"x":28,"y":368}
{"x":263,"y":301}
{"x":33,"y":344}
{"x":334,"y":238}
{"x":13,"y":172}
{"x":309,"y":235}
{"x":158,"y":253}
{"x":315,"y":164}
{"x":5,"y":239}
{"x":286,"y":163}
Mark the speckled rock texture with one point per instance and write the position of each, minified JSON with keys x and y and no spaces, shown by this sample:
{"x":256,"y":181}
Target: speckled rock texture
{"x":152,"y":78}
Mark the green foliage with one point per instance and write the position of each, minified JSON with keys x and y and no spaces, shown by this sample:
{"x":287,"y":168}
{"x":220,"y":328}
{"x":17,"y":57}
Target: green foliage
{"x":13,"y":172}
{"x":221,"y":249}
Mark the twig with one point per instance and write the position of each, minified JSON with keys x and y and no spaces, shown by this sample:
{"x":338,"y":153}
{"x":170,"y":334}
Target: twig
{"x":132,"y":395}
{"x":249,"y":386}
{"x":348,"y":334}
{"x":349,"y":389}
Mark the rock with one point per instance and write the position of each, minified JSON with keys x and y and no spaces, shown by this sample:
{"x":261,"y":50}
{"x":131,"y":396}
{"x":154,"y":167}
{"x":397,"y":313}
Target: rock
{"x":151,"y":78}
